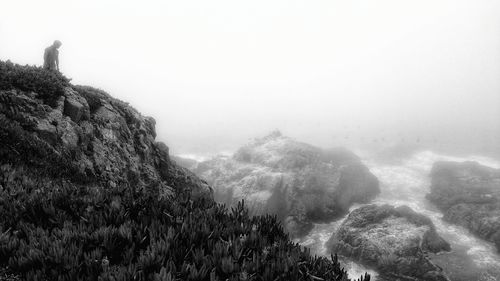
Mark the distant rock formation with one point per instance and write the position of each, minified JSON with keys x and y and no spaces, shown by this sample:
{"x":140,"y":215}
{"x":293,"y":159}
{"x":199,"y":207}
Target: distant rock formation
{"x":469,"y":195}
{"x":86,"y":136}
{"x":300,"y":183}
{"x":392,"y":240}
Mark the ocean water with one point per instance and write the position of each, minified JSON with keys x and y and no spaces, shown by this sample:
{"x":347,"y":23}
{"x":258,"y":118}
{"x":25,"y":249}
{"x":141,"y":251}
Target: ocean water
{"x":406,"y":182}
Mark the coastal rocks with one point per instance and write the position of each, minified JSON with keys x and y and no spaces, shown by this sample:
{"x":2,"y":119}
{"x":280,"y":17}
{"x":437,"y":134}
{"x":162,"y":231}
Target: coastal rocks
{"x":86,"y":137}
{"x":300,"y":183}
{"x":76,"y":106}
{"x":394,"y":240}
{"x":469,"y":195}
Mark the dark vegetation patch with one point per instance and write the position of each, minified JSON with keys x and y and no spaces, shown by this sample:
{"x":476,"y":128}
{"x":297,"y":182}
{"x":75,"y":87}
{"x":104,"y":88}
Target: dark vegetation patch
{"x":66,"y":232}
{"x":94,"y":96}
{"x":49,"y":85}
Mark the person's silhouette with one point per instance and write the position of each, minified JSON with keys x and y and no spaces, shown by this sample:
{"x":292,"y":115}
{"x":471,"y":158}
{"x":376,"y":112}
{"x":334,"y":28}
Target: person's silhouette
{"x":51,"y":56}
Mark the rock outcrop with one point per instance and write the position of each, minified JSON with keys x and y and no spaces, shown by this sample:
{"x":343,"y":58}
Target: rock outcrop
{"x":84,"y":136}
{"x":469,"y":195}
{"x":392,"y":240}
{"x":300,"y":183}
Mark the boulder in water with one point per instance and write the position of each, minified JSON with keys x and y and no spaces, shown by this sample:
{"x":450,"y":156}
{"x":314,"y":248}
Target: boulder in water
{"x":469,"y":195}
{"x":394,"y":240}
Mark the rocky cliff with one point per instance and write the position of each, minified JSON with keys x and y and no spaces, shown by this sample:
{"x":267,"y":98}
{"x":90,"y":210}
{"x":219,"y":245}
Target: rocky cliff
{"x":469,"y":195}
{"x":393,"y":240}
{"x":53,"y":131}
{"x":300,"y":183}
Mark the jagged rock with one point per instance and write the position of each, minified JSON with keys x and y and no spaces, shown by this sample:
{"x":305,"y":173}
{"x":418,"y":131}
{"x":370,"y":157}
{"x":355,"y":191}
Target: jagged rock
{"x":47,"y":131}
{"x":68,"y":134}
{"x":76,"y":106}
{"x":469,"y":195}
{"x":392,"y":240}
{"x":300,"y":183}
{"x":87,"y":137}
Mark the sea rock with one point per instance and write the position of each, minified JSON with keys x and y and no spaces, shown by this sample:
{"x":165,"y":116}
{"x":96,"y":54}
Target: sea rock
{"x":469,"y":195}
{"x":86,"y":137}
{"x":300,"y":183}
{"x":394,"y":240}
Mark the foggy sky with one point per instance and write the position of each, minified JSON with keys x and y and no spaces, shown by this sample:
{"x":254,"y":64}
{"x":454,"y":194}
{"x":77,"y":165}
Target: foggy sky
{"x":215,"y":73}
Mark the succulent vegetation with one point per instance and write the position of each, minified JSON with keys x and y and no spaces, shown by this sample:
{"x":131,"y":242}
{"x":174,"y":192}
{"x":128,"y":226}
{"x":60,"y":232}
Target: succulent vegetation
{"x":70,"y":233}
{"x":48,"y":84}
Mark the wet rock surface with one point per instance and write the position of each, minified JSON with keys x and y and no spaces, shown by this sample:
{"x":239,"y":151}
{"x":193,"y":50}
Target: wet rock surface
{"x":300,"y":183}
{"x":468,"y":194}
{"x":85,"y":137}
{"x":396,"y":241}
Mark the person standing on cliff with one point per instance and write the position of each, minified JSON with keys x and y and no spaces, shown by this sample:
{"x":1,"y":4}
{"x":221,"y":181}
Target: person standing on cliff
{"x":51,"y":56}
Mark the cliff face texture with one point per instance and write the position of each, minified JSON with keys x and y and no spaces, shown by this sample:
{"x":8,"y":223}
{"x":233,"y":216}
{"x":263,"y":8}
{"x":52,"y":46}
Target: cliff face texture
{"x":84,"y":136}
{"x":300,"y":183}
{"x":469,"y":195}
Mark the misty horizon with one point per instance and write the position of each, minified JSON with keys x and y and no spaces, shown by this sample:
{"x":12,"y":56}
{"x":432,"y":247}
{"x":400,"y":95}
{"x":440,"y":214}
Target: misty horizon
{"x":216,"y":74}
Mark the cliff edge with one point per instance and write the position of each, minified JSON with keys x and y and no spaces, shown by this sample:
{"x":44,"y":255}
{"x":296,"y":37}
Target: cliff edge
{"x":51,"y":130}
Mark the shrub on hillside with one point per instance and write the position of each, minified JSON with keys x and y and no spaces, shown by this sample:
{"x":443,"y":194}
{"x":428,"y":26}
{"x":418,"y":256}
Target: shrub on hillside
{"x":94,"y":96}
{"x":48,"y":84}
{"x":66,"y":232}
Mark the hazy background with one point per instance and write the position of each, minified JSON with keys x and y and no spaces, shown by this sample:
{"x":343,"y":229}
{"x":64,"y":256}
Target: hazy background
{"x":215,"y":73}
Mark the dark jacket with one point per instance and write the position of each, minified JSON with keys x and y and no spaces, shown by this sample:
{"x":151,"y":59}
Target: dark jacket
{"x":51,"y":58}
